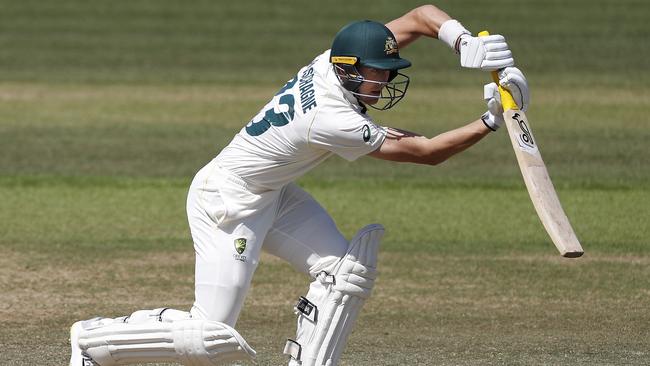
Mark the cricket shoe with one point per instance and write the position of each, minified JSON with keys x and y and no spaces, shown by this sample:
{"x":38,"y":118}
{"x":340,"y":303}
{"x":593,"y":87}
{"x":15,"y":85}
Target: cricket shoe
{"x":77,"y":356}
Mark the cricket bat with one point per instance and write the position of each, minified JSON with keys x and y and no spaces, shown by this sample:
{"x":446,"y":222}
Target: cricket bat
{"x":539,"y":185}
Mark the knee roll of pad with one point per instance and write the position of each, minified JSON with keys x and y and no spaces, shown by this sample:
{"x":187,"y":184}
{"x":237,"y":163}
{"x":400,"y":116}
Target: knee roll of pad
{"x":328,"y":312}
{"x":168,"y":338}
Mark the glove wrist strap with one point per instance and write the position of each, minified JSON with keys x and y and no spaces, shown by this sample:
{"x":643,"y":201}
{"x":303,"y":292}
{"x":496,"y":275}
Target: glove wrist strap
{"x":489,"y":122}
{"x":450,"y":33}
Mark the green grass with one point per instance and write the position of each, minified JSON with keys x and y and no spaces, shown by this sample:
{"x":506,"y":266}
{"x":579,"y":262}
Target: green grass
{"x":455,"y":288}
{"x":251,"y":42}
{"x":108,"y":109}
{"x":74,"y":216}
{"x":171,"y":131}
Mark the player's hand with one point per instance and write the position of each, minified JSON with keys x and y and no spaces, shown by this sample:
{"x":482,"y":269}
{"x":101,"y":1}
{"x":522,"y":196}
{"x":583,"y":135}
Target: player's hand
{"x":486,"y":53}
{"x":512,"y":79}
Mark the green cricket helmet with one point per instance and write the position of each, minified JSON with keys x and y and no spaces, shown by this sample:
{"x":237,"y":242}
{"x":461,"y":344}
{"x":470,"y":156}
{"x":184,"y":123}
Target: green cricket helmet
{"x":370,"y":44}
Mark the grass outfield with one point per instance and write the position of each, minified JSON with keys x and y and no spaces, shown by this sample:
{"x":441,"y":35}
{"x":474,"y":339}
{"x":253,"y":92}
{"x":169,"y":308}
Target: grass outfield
{"x":454,"y":289}
{"x":107,"y":110}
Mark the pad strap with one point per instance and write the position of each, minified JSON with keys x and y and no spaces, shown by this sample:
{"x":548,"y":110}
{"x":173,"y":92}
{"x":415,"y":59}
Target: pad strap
{"x":292,"y":349}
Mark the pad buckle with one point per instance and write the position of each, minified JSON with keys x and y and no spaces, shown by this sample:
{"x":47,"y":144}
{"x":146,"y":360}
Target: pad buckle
{"x":307,"y":308}
{"x":293,"y":349}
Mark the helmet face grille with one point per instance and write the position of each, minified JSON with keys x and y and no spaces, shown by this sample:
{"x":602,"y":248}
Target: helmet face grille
{"x":349,"y":76}
{"x":392,"y":90}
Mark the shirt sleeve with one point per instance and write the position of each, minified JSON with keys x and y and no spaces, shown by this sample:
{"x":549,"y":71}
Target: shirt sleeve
{"x":346,"y":132}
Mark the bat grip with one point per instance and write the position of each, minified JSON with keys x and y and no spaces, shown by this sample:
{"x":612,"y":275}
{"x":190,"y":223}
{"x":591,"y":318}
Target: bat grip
{"x":507,"y":100}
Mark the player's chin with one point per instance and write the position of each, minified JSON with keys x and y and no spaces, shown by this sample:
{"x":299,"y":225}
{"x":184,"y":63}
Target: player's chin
{"x":371,"y":99}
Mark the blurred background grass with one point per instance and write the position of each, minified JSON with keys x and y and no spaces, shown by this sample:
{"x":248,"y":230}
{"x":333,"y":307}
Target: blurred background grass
{"x":108,"y":108}
{"x":205,"y":41}
{"x":103,"y":74}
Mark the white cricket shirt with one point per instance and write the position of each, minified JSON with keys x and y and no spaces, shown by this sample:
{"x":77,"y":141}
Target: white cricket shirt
{"x":308,"y":120}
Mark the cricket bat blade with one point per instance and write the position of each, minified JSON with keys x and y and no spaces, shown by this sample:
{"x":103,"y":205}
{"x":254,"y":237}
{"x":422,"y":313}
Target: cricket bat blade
{"x":539,"y":185}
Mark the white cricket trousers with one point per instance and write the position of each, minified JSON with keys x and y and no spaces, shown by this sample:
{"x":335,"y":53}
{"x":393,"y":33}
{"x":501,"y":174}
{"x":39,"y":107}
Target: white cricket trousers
{"x":231,"y":222}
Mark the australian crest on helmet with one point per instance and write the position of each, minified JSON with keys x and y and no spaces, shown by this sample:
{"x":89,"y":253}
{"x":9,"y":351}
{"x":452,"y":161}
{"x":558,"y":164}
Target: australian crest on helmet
{"x":390,"y":46}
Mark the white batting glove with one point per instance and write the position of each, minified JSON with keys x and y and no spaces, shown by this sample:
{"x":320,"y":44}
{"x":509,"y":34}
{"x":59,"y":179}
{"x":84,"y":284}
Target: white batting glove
{"x":493,"y":119}
{"x":486,"y":53}
{"x":512,"y":79}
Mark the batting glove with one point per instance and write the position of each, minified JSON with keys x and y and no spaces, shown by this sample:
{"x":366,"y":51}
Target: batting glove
{"x":512,"y":79}
{"x":492,"y":121}
{"x":486,"y":53}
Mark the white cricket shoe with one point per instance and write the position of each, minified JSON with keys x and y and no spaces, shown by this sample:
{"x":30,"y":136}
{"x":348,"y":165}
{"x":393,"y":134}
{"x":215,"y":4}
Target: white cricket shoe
{"x":77,"y":356}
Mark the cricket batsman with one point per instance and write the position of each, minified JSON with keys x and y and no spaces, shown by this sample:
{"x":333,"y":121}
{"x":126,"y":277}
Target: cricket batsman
{"x":244,"y":200}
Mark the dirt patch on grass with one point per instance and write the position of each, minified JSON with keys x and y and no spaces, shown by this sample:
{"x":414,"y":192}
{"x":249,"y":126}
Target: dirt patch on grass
{"x":33,"y":288}
{"x":499,"y":304}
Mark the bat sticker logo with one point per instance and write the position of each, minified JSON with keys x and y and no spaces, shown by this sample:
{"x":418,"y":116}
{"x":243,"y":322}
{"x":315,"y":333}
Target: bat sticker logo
{"x":525,"y":138}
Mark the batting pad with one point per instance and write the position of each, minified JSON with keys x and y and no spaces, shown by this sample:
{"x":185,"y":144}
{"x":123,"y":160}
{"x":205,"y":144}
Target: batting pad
{"x":328,"y":312}
{"x":190,"y":342}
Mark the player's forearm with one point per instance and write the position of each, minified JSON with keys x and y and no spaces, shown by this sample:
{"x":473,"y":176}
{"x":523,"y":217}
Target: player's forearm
{"x":443,"y":146}
{"x":408,"y":147}
{"x":422,"y":21}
